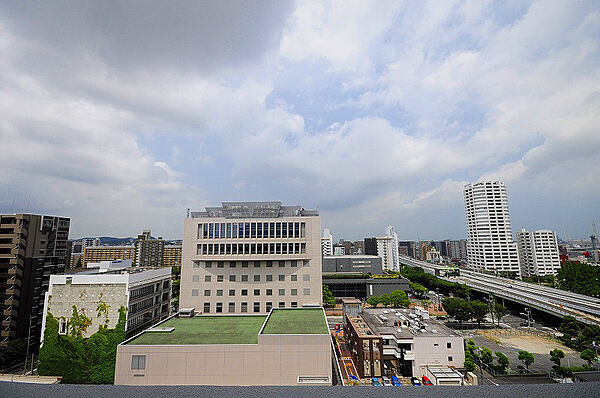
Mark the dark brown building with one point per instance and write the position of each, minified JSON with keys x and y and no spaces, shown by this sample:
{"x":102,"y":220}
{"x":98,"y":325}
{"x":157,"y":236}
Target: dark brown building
{"x":366,"y":347}
{"x":32,"y":247}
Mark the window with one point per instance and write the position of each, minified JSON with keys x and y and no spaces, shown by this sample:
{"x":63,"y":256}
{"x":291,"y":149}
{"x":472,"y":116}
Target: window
{"x":196,"y":278}
{"x":269,"y":264}
{"x":219,"y":307}
{"x":232,"y":292}
{"x":244,"y":307}
{"x":293,"y":278}
{"x":206,"y":308}
{"x":207,"y":293}
{"x":194,"y":292}
{"x":231,"y":278}
{"x":269,"y":278}
{"x":196,"y":264}
{"x":449,"y":359}
{"x":256,"y":306}
{"x":245,"y":263}
{"x":307,"y":292}
{"x":219,"y":292}
{"x":306,"y":277}
{"x":269,"y":292}
{"x":232,"y":264}
{"x":244,"y":292}
{"x":257,"y":292}
{"x":219,"y":278}
{"x":257,"y":264}
{"x":436,"y":345}
{"x":207,"y":278}
{"x":138,"y":362}
{"x":282,"y":304}
{"x":62,"y":326}
{"x":305,"y":263}
{"x":294,"y":292}
{"x":282,"y":292}
{"x":256,"y":278}
{"x":294,"y":304}
{"x":281,"y":278}
{"x":208,"y":264}
{"x":269,"y":305}
{"x":244,"y":278}
{"x":220,"y":264}
{"x":448,"y":345}
{"x":282,"y":263}
{"x":294,"y":264}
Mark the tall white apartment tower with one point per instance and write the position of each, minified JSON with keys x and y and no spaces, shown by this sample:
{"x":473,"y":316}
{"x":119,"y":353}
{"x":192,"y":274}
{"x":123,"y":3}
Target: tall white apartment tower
{"x":327,"y":243}
{"x":538,"y":252}
{"x":395,"y":260}
{"x":490,"y":247}
{"x":248,"y":257}
{"x":384,"y":250}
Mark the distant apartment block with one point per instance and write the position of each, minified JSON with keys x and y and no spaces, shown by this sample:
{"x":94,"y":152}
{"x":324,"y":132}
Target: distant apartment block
{"x":490,"y":246}
{"x":286,"y":347}
{"x":96,"y":254}
{"x":148,"y":251}
{"x":538,"y":252}
{"x":32,"y":248}
{"x":370,"y":245}
{"x":457,"y":249}
{"x":248,"y":257}
{"x":172,"y":256}
{"x":385,"y":251}
{"x":144,"y":293}
{"x":339,"y":250}
{"x":327,"y":243}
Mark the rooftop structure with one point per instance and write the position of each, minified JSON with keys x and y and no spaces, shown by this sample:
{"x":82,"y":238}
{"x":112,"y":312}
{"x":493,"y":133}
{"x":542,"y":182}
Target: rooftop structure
{"x":254,"y":210}
{"x":301,"y":321}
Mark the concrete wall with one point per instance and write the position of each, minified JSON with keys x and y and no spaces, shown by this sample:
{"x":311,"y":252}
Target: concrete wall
{"x":275,"y":360}
{"x":426,"y":352}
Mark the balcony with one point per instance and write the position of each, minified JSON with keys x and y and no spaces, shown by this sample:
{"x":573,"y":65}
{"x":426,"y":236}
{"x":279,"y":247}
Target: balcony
{"x":13,"y":291}
{"x":16,"y":271}
{"x":11,"y":301}
{"x":10,"y":312}
{"x":409,"y":356}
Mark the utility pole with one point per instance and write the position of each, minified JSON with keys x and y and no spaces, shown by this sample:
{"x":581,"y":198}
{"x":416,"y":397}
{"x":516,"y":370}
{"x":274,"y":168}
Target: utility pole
{"x":528,"y":314}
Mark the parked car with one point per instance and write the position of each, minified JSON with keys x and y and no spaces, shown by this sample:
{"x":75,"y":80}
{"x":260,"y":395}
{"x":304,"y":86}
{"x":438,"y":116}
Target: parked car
{"x":395,"y":381}
{"x":375,"y":381}
{"x":386,"y":381}
{"x":426,"y":381}
{"x":415,"y":381}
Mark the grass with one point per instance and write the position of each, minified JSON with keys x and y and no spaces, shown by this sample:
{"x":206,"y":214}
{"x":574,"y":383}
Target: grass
{"x":297,"y":321}
{"x":205,"y":330}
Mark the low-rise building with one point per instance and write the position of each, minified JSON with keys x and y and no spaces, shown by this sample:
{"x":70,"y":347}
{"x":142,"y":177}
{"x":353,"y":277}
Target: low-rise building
{"x":403,"y":341}
{"x":285,"y":347}
{"x":352,"y":264}
{"x":103,"y":253}
{"x":144,"y":293}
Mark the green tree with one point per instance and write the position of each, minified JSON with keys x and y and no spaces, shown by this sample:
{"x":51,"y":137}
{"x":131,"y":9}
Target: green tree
{"x":588,"y":355}
{"x":486,"y":356}
{"x":500,"y":311}
{"x":385,"y":300}
{"x":579,"y":278}
{"x":479,"y":310}
{"x":526,"y":357}
{"x":469,"y":365}
{"x":418,"y":289}
{"x":399,"y":298}
{"x":458,"y":308}
{"x":502,"y":360}
{"x":373,"y":301}
{"x":328,"y":299}
{"x":79,"y":322}
{"x":556,"y":355}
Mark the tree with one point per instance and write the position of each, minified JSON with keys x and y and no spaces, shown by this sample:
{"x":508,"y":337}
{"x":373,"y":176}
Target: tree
{"x":418,"y":289}
{"x":526,"y":357}
{"x":502,"y":360}
{"x":579,"y":278}
{"x":385,"y":300}
{"x":556,"y":355}
{"x":469,"y":365}
{"x":500,"y":311}
{"x":588,"y":355}
{"x":328,"y":299}
{"x":425,"y":303}
{"x":373,"y":301}
{"x":458,"y":308}
{"x":398,"y":298}
{"x":479,"y":310}
{"x":486,"y":356}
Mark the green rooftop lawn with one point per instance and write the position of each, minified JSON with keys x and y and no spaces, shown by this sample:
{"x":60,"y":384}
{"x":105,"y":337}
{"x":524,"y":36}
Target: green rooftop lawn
{"x":205,"y":330}
{"x":296,"y":321}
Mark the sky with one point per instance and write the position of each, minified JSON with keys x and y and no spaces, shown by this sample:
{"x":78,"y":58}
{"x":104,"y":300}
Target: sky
{"x":124,"y":114}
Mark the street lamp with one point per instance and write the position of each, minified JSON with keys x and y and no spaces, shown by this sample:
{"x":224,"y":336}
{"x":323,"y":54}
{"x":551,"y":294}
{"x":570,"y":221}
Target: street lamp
{"x":527,"y":313}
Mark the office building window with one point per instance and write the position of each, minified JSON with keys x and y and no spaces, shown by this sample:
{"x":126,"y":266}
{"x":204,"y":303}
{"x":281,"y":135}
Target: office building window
{"x":306,"y":277}
{"x":208,"y":264}
{"x":281,"y":278}
{"x":305,"y":263}
{"x":256,"y":278}
{"x":195,"y":278}
{"x":450,"y":359}
{"x":269,"y":278}
{"x":307,"y":292}
{"x":245,"y":263}
{"x":138,"y":362}
{"x":231,"y":278}
{"x":282,"y":263}
{"x":269,"y":305}
{"x":244,"y":278}
{"x":220,"y":264}
{"x":219,"y":278}
{"x":269,"y":264}
{"x":293,"y":278}
{"x":206,"y":308}
{"x":256,"y":306}
{"x":269,"y":292}
{"x":196,"y":264}
{"x":448,"y":345}
{"x":294,"y":292}
{"x":282,"y":292}
{"x":257,"y":264}
{"x":295,"y":263}
{"x":232,"y":264}
{"x":207,"y":278}
{"x":207,"y":293}
{"x":231,"y":307}
{"x":194,"y":292}
{"x":232,"y":292}
{"x":219,"y":307}
{"x":257,"y":292}
{"x":244,"y":307}
{"x":219,"y":292}
{"x":244,"y":292}
{"x":294,"y":304}
{"x":282,"y":304}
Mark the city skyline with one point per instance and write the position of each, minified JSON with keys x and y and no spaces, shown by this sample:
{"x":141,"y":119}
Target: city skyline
{"x":377,"y":114}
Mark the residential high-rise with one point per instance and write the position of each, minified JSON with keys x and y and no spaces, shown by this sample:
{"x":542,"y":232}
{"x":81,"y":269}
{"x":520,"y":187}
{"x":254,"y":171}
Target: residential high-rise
{"x":172,"y":256}
{"x":32,"y":247}
{"x":95,"y":254}
{"x":370,"y":246}
{"x":538,"y":252}
{"x":395,"y":261}
{"x":490,"y":246}
{"x":248,"y":257}
{"x":384,"y":250}
{"x":457,"y":249}
{"x":148,"y":251}
{"x":327,"y":243}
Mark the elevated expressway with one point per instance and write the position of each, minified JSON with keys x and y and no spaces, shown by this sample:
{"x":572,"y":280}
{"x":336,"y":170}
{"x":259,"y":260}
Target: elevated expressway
{"x":553,"y":301}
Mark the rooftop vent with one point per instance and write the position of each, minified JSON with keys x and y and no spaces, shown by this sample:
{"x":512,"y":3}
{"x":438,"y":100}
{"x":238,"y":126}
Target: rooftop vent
{"x":187,"y":312}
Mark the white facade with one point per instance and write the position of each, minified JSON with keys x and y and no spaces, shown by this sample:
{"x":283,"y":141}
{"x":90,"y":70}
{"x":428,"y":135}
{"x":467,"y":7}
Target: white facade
{"x":145,"y":294}
{"x":538,"y":252}
{"x":327,"y":243}
{"x":384,"y":250}
{"x":490,"y":246}
{"x":389,"y":231}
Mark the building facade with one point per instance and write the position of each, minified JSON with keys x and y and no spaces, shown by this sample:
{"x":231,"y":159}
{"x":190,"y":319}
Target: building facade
{"x":96,"y":254}
{"x":490,"y":246}
{"x":148,"y":251}
{"x":395,"y":261}
{"x":385,"y":251}
{"x":327,"y":243}
{"x":538,"y":252}
{"x":144,"y":293}
{"x":457,"y":249}
{"x":32,"y":247}
{"x":249,"y":257}
{"x":172,"y":256}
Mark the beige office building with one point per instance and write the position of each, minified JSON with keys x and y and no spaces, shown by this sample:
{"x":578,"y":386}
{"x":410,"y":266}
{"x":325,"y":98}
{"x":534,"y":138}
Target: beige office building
{"x":249,"y":257}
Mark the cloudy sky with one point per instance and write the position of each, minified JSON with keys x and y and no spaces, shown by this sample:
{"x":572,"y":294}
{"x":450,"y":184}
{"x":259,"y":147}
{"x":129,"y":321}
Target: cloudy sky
{"x":122,"y":115}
